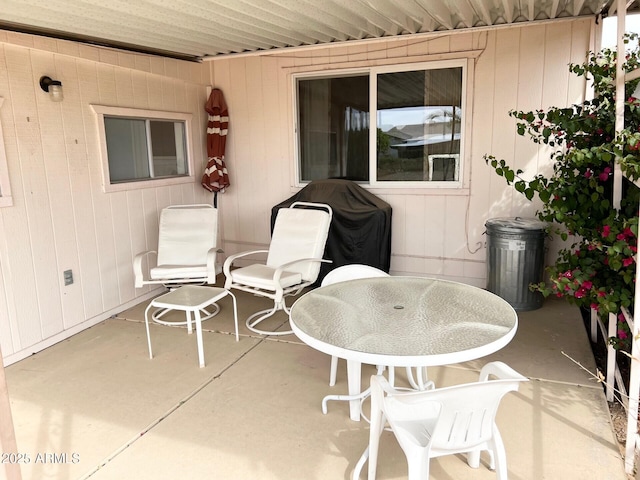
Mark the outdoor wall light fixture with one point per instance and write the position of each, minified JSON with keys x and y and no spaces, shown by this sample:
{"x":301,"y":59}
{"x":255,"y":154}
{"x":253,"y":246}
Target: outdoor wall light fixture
{"x":53,"y":87}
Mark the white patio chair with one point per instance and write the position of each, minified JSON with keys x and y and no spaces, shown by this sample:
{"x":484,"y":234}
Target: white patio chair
{"x":444,"y":421}
{"x":342,"y":274}
{"x":418,"y":381}
{"x":293,"y":260}
{"x":186,"y":254}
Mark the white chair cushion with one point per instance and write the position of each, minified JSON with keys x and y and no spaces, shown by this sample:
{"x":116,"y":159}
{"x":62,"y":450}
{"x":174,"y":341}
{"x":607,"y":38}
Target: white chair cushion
{"x":299,"y":233}
{"x":261,"y":276}
{"x":186,"y":234}
{"x":174,"y":272}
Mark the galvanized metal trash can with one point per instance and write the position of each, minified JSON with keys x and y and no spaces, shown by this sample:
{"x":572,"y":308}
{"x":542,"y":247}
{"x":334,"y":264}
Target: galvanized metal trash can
{"x":515,"y":259}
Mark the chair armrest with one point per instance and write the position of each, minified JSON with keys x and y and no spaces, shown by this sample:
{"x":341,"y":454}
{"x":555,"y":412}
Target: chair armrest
{"x":501,"y":371}
{"x":212,"y":257}
{"x":226,"y":268}
{"x":383,"y":384}
{"x":137,"y":267}
{"x":278,"y":273}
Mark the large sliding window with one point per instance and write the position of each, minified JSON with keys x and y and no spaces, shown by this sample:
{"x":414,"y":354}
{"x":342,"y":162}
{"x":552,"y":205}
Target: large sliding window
{"x":390,"y":126}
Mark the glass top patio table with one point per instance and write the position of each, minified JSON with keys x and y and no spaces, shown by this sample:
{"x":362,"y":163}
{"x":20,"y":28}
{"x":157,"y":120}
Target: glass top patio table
{"x":402,"y":322}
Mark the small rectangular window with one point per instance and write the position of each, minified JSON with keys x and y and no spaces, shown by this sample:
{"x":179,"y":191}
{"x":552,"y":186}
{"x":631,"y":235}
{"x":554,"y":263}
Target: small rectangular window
{"x":145,"y":147}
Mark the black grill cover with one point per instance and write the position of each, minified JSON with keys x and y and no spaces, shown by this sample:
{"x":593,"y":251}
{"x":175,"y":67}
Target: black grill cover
{"x":361,"y":227}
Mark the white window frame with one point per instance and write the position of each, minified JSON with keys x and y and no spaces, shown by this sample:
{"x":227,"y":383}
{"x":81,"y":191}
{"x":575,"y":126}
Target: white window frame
{"x":135,"y":113}
{"x":6,"y":199}
{"x":373,"y":71}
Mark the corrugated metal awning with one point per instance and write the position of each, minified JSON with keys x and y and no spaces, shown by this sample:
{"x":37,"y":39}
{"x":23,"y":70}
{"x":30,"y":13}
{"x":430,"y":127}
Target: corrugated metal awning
{"x":197,"y":29}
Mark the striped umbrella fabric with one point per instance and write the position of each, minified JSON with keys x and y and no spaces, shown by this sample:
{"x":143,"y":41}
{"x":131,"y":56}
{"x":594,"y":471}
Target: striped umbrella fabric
{"x":216,"y":177}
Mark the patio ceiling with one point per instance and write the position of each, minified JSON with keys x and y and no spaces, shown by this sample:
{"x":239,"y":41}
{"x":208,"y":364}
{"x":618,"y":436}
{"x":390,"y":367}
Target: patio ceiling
{"x":197,"y":29}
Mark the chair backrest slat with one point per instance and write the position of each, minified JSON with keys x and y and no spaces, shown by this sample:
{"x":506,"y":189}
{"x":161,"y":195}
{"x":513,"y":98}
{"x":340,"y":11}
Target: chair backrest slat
{"x":467,"y":414}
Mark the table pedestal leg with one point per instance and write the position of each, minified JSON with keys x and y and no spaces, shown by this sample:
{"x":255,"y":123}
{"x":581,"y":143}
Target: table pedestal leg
{"x":354,"y":371}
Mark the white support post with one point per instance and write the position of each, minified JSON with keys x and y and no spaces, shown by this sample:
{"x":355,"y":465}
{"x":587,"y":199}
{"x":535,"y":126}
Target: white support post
{"x":7,"y":433}
{"x":634,"y":380}
{"x":634,"y":392}
{"x":620,"y":98}
{"x":611,"y":359}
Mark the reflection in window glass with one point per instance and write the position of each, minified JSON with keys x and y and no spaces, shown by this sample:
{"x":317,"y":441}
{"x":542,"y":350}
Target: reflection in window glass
{"x":419,"y":122}
{"x":168,"y":148}
{"x":142,"y":149}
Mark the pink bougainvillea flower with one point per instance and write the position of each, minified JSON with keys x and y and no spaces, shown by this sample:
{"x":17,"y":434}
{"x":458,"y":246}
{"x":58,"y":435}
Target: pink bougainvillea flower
{"x":627,"y":232}
{"x":601,"y":294}
{"x":633,"y":248}
{"x":587,"y":285}
{"x":627,"y":261}
{"x":621,"y":236}
{"x":605,"y":174}
{"x":606,"y":230}
{"x":622,"y":334}
{"x":594,"y":306}
{"x":580,"y":293}
{"x":588,"y":174}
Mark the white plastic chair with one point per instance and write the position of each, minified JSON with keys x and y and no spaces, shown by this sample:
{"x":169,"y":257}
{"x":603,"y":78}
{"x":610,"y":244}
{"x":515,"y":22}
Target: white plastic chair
{"x":342,"y":274}
{"x":186,"y":254}
{"x":444,"y":421}
{"x":293,"y":260}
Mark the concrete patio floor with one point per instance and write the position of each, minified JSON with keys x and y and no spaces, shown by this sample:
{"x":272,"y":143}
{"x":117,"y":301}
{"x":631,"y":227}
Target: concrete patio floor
{"x":253,"y":412}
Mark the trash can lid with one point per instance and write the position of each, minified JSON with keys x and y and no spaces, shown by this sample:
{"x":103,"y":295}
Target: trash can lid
{"x":515,"y":224}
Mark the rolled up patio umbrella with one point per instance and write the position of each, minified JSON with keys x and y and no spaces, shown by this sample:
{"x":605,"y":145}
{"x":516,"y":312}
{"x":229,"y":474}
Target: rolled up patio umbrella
{"x":216,"y":177}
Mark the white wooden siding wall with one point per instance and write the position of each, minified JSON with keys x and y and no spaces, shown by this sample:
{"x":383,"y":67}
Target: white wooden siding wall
{"x":61,"y":219}
{"x":435,"y":232}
